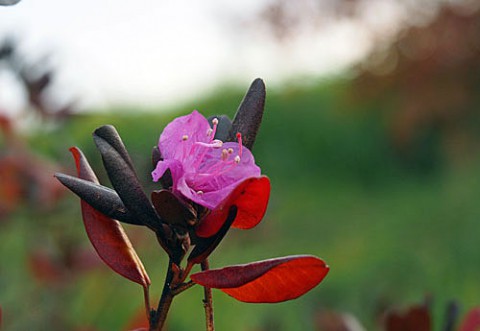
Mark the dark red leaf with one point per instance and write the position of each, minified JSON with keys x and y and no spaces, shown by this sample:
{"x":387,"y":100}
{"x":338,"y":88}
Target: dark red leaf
{"x":106,"y":235}
{"x":171,"y":209}
{"x":251,"y":199}
{"x":268,"y":281}
{"x":471,"y":321}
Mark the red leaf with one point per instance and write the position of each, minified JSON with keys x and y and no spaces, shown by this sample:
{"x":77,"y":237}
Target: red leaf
{"x":471,"y":321}
{"x":268,"y":281}
{"x":251,"y":198}
{"x":107,"y":235}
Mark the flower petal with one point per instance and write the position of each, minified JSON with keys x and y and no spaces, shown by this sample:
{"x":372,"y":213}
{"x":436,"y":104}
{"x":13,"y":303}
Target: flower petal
{"x":220,"y":183}
{"x":193,"y":126}
{"x":175,"y":167}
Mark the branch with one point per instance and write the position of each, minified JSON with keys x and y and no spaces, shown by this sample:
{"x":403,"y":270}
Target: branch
{"x":208,"y":301}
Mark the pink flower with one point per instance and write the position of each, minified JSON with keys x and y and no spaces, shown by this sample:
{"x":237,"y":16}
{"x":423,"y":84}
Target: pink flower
{"x":204,"y":170}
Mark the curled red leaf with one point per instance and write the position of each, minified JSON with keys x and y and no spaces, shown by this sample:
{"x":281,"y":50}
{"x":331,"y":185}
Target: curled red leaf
{"x":251,"y":199}
{"x":268,"y":281}
{"x":107,"y":235}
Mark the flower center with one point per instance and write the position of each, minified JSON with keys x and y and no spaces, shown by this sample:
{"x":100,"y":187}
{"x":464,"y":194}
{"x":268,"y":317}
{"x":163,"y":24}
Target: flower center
{"x":209,"y":166}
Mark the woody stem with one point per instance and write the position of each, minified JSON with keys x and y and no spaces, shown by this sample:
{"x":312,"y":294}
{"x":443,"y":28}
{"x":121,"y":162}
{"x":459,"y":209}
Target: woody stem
{"x":208,"y":301}
{"x":158,"y":318}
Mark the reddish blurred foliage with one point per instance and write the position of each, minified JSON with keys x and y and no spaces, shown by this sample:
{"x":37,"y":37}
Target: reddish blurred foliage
{"x":471,"y":322}
{"x":419,"y":318}
{"x":26,"y":177}
{"x":328,"y":320}
{"x":60,"y":267}
{"x":138,"y":322}
{"x":416,"y":318}
{"x":285,"y":19}
{"x":428,"y":80}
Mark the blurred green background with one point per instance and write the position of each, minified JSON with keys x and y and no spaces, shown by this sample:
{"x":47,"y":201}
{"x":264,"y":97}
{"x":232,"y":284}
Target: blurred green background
{"x":375,"y":169}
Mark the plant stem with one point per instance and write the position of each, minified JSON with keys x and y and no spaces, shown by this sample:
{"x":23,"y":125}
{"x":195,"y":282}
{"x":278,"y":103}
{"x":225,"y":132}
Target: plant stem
{"x":158,"y":319}
{"x":146,"y":298}
{"x":208,"y":301}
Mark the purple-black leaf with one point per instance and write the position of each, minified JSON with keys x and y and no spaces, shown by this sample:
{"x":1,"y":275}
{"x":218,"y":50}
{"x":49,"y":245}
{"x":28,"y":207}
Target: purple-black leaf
{"x":102,"y":198}
{"x":249,"y":114}
{"x":124,"y":179}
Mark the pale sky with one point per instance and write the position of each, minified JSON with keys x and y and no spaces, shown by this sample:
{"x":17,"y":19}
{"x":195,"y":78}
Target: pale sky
{"x":161,"y":52}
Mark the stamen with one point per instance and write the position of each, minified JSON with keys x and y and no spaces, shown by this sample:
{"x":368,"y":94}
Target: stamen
{"x":185,"y":137}
{"x":209,"y":131}
{"x":215,"y":123}
{"x":239,"y":138}
{"x":237,"y":159}
{"x":199,"y":192}
{"x":224,"y":156}
{"x":230,"y":150}
{"x":215,"y":144}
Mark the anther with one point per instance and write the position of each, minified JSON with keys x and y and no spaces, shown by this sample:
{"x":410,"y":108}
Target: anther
{"x":185,"y":137}
{"x":237,"y":159}
{"x":214,"y":130}
{"x":230,"y":151}
{"x":199,"y":192}
{"x":217,"y":143}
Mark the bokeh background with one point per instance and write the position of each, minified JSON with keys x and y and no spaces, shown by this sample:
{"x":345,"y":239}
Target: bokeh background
{"x":371,"y":138}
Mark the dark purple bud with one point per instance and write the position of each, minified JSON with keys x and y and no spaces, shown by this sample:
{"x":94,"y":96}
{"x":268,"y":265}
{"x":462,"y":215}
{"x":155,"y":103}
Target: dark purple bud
{"x":111,"y":136}
{"x":121,"y":172}
{"x":249,"y":114}
{"x":103,"y":199}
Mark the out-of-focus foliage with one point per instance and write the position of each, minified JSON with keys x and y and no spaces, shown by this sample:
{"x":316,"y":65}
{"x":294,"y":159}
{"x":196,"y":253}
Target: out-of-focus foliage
{"x":378,"y":175}
{"x":20,"y":181}
{"x":427,"y":86}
